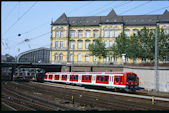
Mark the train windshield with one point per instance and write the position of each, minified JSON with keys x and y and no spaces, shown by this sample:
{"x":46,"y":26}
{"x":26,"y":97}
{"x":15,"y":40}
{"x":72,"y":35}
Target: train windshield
{"x":131,"y":78}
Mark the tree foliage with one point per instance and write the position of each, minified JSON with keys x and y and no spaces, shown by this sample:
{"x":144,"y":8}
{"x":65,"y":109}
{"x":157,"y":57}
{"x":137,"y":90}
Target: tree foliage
{"x":98,"y":49}
{"x":142,"y":45}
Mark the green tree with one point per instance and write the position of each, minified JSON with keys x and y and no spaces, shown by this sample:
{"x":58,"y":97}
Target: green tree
{"x":120,"y":46}
{"x":133,"y":48}
{"x":98,"y":49}
{"x":163,"y":45}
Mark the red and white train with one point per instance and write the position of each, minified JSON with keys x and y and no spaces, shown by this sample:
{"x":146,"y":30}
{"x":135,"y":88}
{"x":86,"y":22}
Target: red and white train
{"x":127,"y":80}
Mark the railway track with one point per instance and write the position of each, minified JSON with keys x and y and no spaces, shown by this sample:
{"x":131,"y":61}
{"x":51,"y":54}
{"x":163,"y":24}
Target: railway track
{"x":13,"y":96}
{"x":93,"y":100}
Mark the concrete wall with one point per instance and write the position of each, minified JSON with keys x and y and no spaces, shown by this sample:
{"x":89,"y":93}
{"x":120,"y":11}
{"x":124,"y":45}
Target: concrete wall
{"x":147,"y":77}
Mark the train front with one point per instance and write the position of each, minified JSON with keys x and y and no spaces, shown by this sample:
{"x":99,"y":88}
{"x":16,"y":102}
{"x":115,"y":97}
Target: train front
{"x":132,"y":82}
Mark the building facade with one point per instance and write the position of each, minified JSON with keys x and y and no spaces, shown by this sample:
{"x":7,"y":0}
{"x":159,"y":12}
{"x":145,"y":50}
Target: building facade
{"x":70,"y":36}
{"x":39,"y":55}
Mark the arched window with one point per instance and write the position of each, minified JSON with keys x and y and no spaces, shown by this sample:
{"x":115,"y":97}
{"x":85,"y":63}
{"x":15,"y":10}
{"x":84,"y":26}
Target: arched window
{"x":71,"y":57}
{"x":87,"y":58}
{"x":87,"y":42}
{"x":79,"y":57}
{"x":60,"y":57}
{"x":56,"y":57}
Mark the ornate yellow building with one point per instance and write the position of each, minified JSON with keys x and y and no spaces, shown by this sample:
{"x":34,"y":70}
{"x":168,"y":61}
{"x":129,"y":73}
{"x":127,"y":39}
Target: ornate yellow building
{"x":70,"y":36}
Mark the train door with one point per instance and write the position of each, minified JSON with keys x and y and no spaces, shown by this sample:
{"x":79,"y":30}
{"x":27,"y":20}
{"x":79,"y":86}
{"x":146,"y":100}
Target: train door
{"x":111,"y":80}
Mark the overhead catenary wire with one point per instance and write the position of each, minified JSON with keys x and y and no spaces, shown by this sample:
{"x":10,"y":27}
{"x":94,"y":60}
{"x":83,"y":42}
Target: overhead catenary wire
{"x":135,"y":7}
{"x":156,"y":10}
{"x":102,"y":6}
{"x":82,"y":6}
{"x":10,"y":12}
{"x":28,"y":40}
{"x":113,"y":8}
{"x":19,"y":18}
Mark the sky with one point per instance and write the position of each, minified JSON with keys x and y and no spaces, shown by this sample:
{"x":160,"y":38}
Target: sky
{"x":32,"y":19}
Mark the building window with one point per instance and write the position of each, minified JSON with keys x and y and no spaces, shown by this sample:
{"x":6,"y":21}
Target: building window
{"x":110,"y":33}
{"x":135,"y":31}
{"x":166,"y":31}
{"x":57,"y":34}
{"x":104,"y":59}
{"x":110,"y":58}
{"x":106,"y":33}
{"x":72,"y":44}
{"x":87,"y":42}
{"x":106,"y":44}
{"x":87,"y":58}
{"x":94,"y":41}
{"x":79,"y":57}
{"x":143,"y":60}
{"x":56,"y":44}
{"x":115,"y":58}
{"x":94,"y":58}
{"x":79,"y":44}
{"x":61,"y":44}
{"x":80,"y":34}
{"x":71,"y":57}
{"x":126,"y":32}
{"x":88,"y":34}
{"x":152,"y":30}
{"x":110,"y":43}
{"x":61,"y":34}
{"x":95,"y":33}
{"x":61,"y":57}
{"x":116,"y":33}
{"x":72,"y":34}
{"x":56,"y":57}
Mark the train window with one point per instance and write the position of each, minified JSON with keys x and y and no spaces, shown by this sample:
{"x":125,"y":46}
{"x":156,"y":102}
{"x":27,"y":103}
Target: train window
{"x":117,"y":78}
{"x":76,"y":77}
{"x":98,"y":78}
{"x":86,"y":77}
{"x":106,"y":78}
{"x":89,"y":77}
{"x":83,"y":77}
{"x":112,"y":79}
{"x":101,"y":78}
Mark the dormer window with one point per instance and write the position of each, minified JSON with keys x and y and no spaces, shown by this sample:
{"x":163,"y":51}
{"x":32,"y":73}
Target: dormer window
{"x":142,"y":20}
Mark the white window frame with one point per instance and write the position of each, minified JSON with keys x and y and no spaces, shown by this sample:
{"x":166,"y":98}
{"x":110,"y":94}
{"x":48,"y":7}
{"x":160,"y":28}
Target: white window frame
{"x":72,"y":34}
{"x":87,"y":58}
{"x":79,"y":57}
{"x":87,"y":33}
{"x":95,"y":34}
{"x":79,"y":44}
{"x":87,"y":42}
{"x":80,"y":34}
{"x":127,"y":33}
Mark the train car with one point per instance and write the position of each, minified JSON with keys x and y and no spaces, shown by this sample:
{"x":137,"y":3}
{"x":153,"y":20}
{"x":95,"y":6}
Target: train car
{"x":124,"y":81}
{"x":6,"y":73}
{"x":27,"y":74}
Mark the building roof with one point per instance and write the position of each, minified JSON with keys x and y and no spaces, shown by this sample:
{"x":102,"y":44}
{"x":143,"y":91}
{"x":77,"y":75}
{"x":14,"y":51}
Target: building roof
{"x":112,"y":18}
